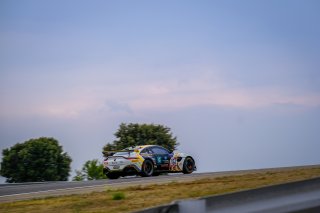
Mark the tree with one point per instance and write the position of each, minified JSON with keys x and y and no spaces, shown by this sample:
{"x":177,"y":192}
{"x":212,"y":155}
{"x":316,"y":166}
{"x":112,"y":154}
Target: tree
{"x":79,"y":176}
{"x":35,"y":160}
{"x":142,"y":134}
{"x":91,"y":170}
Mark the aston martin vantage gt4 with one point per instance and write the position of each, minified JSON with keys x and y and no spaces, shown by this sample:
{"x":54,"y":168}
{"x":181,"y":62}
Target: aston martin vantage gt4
{"x":147,"y":160}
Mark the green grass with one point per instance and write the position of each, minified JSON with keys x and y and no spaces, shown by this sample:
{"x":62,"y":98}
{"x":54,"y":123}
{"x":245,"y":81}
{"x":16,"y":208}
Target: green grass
{"x":142,"y":196}
{"x":118,"y":196}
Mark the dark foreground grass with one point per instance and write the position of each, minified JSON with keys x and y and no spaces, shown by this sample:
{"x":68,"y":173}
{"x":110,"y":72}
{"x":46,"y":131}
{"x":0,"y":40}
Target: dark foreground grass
{"x":139,"y":197}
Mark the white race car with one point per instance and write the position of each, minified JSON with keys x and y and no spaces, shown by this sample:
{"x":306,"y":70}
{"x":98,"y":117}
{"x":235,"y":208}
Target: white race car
{"x":146,"y":161}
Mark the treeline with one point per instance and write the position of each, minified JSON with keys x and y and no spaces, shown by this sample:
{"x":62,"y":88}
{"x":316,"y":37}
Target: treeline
{"x":43,"y":159}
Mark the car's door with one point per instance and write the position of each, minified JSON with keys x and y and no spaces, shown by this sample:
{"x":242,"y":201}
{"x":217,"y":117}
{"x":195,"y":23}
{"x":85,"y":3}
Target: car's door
{"x":162,"y":157}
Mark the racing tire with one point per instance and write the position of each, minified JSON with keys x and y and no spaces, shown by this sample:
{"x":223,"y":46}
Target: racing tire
{"x":112,"y":175}
{"x":147,"y":168}
{"x":188,"y":165}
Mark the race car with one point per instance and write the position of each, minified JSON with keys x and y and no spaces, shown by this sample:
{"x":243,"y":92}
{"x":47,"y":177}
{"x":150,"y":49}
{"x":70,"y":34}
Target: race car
{"x":147,"y":160}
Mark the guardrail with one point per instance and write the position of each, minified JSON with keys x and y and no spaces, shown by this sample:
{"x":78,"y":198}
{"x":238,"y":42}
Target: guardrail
{"x":297,"y":197}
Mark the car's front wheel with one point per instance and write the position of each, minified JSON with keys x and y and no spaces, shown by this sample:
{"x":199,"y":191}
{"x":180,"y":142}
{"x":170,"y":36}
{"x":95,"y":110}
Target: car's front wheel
{"x":188,"y":165}
{"x":147,"y":168}
{"x":112,"y":175}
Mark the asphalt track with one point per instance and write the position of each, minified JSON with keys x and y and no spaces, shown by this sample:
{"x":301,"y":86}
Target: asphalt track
{"x":23,"y":191}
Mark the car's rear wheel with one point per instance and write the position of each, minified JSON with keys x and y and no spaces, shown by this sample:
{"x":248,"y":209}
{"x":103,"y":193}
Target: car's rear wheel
{"x":188,"y":165}
{"x":147,"y":168}
{"x":112,"y":175}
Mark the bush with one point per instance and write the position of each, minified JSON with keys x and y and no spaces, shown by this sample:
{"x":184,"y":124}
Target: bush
{"x":118,"y":196}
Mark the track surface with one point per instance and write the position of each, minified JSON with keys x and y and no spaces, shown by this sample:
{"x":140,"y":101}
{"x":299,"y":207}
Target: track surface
{"x":14,"y":192}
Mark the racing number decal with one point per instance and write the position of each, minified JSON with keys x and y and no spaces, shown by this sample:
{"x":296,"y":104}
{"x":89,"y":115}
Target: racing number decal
{"x":159,"y":161}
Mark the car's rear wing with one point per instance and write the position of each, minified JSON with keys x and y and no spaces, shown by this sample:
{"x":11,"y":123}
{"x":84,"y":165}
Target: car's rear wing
{"x":112,"y":152}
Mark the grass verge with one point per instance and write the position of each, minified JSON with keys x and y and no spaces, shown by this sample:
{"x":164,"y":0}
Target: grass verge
{"x":138,"y":197}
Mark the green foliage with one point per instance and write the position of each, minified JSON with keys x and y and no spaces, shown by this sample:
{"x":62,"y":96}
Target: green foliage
{"x":91,"y":170}
{"x":142,"y":134}
{"x":118,"y":196}
{"x":35,"y":160}
{"x":79,"y":176}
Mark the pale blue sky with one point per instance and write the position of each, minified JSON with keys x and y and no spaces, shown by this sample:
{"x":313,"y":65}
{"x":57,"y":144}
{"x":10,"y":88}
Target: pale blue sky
{"x":237,"y":81}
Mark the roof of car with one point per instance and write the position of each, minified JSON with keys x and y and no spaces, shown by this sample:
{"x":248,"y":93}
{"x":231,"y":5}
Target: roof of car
{"x":144,"y":146}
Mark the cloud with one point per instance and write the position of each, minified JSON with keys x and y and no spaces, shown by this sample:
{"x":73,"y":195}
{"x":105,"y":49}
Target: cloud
{"x":118,"y":107}
{"x":201,"y":92}
{"x":154,"y":95}
{"x":163,"y":95}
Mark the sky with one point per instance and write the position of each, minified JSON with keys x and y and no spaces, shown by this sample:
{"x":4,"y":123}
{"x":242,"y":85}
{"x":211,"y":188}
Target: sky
{"x":238,"y":82}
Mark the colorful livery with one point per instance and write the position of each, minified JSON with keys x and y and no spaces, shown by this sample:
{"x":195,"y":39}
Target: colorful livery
{"x":148,"y":160}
